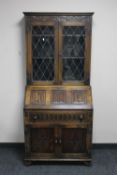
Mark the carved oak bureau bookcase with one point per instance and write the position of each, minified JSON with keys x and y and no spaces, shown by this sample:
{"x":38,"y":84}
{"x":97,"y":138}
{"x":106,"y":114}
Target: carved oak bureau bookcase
{"x":58,"y":101}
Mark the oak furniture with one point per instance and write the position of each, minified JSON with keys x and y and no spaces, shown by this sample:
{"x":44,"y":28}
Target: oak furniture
{"x":58,"y":111}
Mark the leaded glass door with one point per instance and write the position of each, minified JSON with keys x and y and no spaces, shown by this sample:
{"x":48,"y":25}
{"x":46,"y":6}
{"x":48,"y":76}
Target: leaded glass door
{"x":73,"y":57}
{"x":43,"y":57}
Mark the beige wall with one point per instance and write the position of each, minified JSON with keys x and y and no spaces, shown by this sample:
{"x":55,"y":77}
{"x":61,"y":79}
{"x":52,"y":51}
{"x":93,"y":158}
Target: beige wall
{"x":103,"y":69}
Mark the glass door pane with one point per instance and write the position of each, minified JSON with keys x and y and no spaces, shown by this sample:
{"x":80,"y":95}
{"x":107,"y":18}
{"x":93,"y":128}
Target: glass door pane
{"x":73,"y":53}
{"x":43,"y":49}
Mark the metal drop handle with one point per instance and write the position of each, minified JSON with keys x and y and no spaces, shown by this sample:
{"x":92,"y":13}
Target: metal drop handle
{"x":60,"y":141}
{"x":35,"y":117}
{"x":81,"y":117}
{"x":56,"y":141}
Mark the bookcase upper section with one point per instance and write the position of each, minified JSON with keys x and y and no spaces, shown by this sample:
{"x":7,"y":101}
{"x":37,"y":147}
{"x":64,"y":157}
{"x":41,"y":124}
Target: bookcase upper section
{"x":58,"y":48}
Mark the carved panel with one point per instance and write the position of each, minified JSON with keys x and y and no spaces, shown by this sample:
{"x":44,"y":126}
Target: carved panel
{"x":73,"y":140}
{"x":43,"y":18}
{"x":42,"y":140}
{"x":80,"y":19}
{"x":78,"y":97}
{"x":58,"y":96}
{"x":38,"y":97}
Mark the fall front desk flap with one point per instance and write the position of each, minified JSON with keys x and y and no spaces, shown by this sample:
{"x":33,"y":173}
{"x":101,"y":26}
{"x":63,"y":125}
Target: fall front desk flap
{"x":58,"y":97}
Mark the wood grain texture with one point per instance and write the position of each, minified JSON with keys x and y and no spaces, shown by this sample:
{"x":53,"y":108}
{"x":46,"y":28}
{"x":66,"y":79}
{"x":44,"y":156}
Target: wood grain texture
{"x":58,"y":97}
{"x":58,"y":114}
{"x":58,"y":13}
{"x":58,"y":23}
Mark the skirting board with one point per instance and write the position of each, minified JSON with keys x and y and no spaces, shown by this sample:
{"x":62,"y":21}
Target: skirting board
{"x":94,"y":146}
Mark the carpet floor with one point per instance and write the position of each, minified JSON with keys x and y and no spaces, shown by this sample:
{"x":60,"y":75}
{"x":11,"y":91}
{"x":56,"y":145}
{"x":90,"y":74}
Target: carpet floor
{"x":11,"y":163}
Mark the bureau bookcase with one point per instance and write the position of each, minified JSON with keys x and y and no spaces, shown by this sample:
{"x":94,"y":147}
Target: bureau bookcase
{"x":58,"y":110}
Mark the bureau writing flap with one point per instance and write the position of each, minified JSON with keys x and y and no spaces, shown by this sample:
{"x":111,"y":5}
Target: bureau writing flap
{"x":58,"y":97}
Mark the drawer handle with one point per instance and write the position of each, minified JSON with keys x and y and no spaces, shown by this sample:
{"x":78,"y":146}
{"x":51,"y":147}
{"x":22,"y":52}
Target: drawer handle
{"x":35,"y":117}
{"x":60,"y":141}
{"x":56,"y":141}
{"x":81,"y":118}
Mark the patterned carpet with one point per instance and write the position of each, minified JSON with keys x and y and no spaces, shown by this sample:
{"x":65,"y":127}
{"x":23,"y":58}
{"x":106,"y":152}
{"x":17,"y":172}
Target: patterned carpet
{"x":11,"y":163}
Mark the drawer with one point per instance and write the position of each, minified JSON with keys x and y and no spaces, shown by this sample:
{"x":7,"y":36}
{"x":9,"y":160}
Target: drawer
{"x":81,"y":117}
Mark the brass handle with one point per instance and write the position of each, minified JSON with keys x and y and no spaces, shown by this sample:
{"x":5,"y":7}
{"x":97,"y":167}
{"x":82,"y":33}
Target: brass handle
{"x":35,"y":117}
{"x":81,"y":117}
{"x":56,"y":141}
{"x":60,"y":141}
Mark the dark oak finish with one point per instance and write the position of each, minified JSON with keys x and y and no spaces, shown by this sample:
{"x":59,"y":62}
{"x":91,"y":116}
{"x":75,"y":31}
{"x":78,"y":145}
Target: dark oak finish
{"x":58,"y":110}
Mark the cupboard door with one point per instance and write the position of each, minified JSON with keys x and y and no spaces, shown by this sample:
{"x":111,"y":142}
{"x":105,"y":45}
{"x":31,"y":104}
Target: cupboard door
{"x":73,"y":140}
{"x":42,"y":140}
{"x":45,"y":140}
{"x":43,"y":48}
{"x":74,"y":49}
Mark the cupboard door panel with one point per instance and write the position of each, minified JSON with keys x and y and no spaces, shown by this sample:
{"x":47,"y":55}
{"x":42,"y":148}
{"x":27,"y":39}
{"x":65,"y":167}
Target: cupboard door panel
{"x":73,"y":140}
{"x":42,"y":140}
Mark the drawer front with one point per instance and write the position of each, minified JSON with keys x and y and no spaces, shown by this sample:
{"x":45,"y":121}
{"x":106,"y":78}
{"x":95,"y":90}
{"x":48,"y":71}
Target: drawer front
{"x":80,"y":117}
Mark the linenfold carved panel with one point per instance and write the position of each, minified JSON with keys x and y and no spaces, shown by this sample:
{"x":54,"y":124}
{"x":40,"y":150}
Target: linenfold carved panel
{"x":58,"y":96}
{"x":73,"y":140}
{"x":44,"y":140}
{"x":78,"y":97}
{"x":38,"y":97}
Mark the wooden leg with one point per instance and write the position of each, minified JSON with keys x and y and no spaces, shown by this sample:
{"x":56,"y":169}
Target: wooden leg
{"x":87,"y":163}
{"x":27,"y":162}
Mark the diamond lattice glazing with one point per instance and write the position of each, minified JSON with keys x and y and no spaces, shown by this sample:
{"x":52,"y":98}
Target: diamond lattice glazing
{"x":43,"y":53}
{"x":73,"y":52}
